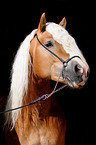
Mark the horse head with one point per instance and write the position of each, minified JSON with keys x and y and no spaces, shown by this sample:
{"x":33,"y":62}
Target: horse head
{"x":57,"y":39}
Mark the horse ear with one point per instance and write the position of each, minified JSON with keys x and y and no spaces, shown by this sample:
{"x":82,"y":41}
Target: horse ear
{"x":63,"y":23}
{"x":42,"y":23}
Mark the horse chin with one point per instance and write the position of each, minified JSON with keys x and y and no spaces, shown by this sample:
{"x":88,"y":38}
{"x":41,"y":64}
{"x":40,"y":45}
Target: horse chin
{"x":74,"y":85}
{"x":66,"y":82}
{"x":71,"y":84}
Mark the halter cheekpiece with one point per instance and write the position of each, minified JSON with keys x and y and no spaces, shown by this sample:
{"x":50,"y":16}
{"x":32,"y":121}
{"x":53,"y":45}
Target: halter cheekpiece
{"x":64,"y":62}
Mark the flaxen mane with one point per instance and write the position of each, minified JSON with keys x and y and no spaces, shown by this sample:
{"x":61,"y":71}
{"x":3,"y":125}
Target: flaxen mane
{"x":19,"y":82}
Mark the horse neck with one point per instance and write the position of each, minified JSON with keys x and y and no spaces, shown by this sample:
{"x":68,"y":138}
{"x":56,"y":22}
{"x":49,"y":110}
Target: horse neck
{"x":43,"y":116}
{"x":49,"y":107}
{"x":42,"y":109}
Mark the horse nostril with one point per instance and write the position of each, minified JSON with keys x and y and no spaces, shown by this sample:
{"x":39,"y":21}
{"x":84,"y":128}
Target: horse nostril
{"x":88,"y":72}
{"x":77,"y":68}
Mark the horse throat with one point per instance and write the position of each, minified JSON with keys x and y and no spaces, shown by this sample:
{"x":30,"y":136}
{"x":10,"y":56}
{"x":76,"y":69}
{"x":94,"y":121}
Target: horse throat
{"x":48,"y":107}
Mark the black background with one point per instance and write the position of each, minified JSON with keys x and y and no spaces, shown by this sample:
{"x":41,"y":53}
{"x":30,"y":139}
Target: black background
{"x":18,"y":20}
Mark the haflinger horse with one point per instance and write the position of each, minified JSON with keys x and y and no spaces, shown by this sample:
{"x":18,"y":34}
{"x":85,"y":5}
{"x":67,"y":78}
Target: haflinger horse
{"x":33,"y":69}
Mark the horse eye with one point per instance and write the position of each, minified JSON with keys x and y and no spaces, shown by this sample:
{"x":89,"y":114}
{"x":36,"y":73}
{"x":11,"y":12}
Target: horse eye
{"x":49,"y":44}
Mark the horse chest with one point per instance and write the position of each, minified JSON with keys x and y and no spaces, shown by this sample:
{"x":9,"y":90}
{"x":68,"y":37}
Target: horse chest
{"x":49,"y":133}
{"x":42,"y":136}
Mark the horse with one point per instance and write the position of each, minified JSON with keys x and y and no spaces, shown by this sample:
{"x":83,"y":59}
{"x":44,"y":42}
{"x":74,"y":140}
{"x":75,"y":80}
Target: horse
{"x":49,"y":53}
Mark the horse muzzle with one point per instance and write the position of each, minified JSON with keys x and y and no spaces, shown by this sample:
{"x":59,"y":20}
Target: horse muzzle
{"x":75,"y":74}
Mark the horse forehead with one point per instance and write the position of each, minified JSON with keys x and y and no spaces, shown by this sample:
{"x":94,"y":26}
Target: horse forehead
{"x":64,"y":38}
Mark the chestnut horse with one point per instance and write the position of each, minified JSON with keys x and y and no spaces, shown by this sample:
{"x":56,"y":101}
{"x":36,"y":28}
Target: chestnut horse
{"x":33,"y":69}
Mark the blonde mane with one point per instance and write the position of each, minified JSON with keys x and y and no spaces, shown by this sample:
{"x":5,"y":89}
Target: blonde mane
{"x":19,"y":81}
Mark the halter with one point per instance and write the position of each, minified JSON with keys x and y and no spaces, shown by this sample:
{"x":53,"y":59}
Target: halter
{"x":64,"y":62}
{"x":46,"y":96}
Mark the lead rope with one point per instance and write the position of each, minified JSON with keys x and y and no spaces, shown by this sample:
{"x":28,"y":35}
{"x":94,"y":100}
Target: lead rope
{"x":43,"y":97}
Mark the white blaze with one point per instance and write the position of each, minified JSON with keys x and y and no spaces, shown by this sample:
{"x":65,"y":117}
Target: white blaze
{"x":65,"y":39}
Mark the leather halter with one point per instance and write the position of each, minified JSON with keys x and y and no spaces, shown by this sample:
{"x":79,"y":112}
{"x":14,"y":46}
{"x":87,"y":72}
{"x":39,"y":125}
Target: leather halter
{"x":44,"y":97}
{"x":64,"y":62}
